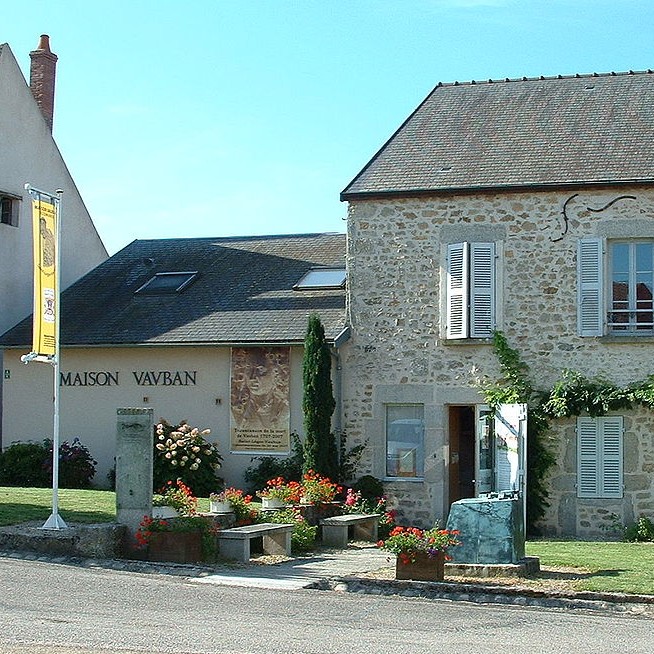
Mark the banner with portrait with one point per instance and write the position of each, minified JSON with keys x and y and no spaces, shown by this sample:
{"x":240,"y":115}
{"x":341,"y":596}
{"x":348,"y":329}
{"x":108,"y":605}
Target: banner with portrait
{"x":260,"y":400}
{"x":46,"y":293}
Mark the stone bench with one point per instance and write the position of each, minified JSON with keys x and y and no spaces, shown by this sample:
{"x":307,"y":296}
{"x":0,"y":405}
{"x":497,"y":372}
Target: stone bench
{"x":335,"y":530}
{"x":235,"y":543}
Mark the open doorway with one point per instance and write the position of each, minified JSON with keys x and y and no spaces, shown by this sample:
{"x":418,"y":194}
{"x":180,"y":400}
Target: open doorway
{"x":462,"y":452}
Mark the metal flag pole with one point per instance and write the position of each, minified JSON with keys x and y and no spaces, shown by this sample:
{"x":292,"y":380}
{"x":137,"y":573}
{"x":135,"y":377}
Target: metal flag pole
{"x":50,"y":352}
{"x":55,"y":521}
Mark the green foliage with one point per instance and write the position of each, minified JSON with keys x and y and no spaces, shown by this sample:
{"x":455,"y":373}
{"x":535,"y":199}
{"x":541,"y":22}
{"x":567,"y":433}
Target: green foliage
{"x":641,"y":531}
{"x":24,"y":464}
{"x":320,"y":452}
{"x":30,"y":464}
{"x":183,"y":452}
{"x":348,"y":459}
{"x":271,"y":467}
{"x":303,"y":536}
{"x":370,"y":487}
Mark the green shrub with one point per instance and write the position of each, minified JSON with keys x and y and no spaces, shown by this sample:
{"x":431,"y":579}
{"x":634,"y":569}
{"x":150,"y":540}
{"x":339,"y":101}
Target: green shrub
{"x":183,"y":452}
{"x":24,"y":464}
{"x":303,"y":536}
{"x":370,"y":487}
{"x":30,"y":465}
{"x":642,"y":530}
{"x":271,"y":467}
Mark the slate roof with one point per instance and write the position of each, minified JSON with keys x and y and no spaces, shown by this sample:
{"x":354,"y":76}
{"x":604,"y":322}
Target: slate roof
{"x":242,"y":294}
{"x":561,"y":131}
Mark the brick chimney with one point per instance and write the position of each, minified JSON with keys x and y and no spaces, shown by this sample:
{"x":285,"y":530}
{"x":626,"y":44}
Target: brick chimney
{"x":42,"y":78}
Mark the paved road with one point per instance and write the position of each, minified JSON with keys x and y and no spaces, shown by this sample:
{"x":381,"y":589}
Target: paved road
{"x":49,"y":608}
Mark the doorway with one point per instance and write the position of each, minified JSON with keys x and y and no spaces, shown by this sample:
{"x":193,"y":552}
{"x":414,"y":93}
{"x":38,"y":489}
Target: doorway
{"x":462,"y":452}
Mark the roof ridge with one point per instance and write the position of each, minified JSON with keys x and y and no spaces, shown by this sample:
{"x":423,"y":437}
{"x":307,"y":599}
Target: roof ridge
{"x":473,"y":82}
{"x":249,"y":237}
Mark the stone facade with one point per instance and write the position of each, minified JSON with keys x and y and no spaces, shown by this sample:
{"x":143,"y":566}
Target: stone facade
{"x":398,"y":354}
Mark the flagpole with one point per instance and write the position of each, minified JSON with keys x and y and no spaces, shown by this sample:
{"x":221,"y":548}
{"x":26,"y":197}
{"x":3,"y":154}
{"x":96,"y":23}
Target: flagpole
{"x":55,"y":521}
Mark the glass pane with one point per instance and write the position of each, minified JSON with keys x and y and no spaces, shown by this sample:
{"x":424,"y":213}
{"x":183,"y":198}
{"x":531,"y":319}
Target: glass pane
{"x":405,"y":440}
{"x":644,"y":257}
{"x":323,"y":278}
{"x":620,"y":258}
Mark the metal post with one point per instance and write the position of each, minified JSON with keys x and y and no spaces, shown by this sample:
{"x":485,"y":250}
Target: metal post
{"x":55,"y":521}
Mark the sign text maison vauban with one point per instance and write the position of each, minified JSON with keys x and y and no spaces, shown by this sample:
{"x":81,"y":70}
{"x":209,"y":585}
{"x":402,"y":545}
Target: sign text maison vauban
{"x":141,"y":377}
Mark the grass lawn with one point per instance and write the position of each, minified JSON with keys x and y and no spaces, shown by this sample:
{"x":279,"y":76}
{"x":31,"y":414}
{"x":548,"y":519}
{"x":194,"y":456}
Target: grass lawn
{"x":596,"y":566}
{"x":599,"y":566}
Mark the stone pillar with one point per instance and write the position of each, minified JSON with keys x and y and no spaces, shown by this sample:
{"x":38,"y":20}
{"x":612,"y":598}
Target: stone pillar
{"x":133,"y":468}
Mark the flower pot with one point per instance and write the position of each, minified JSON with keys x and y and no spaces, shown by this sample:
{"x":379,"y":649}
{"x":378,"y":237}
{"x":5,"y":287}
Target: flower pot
{"x":220,"y":507}
{"x":272,"y":503}
{"x":175,"y":546}
{"x":164,"y":512}
{"x":424,"y":568}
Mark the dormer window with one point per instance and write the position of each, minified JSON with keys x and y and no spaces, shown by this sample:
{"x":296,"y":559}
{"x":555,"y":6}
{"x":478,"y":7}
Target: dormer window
{"x":165,"y":283}
{"x":322,"y":278}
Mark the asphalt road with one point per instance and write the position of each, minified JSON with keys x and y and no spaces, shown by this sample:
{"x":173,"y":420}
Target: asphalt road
{"x":54,"y":608}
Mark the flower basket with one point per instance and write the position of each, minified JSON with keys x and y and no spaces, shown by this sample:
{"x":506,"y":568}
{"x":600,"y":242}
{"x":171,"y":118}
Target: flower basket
{"x":422,"y":568}
{"x":164,"y":512}
{"x":175,"y":546}
{"x":216,"y":506}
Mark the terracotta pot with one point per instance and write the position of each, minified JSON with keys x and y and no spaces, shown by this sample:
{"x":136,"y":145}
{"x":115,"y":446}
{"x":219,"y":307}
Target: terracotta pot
{"x":175,"y":546}
{"x":425,"y":568}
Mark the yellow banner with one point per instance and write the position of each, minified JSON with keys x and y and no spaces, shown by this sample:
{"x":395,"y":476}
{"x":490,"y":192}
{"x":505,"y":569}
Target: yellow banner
{"x":46,"y":296}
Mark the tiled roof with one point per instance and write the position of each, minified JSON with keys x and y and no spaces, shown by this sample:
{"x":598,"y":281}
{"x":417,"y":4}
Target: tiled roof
{"x":243,"y":293}
{"x":585,"y":129}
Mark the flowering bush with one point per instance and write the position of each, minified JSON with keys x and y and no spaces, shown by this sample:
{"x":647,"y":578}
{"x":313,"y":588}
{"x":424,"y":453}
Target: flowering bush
{"x":286,"y":491}
{"x":315,"y":488}
{"x":244,"y":512}
{"x":190,"y":523}
{"x":178,"y":496}
{"x":406,"y":542}
{"x":183,"y":452}
{"x":355,"y":503}
{"x":303,"y":536}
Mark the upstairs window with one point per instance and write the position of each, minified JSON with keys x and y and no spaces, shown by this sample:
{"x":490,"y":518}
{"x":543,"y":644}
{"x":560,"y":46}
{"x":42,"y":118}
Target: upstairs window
{"x":164,"y":283}
{"x":622,"y":302}
{"x":470,"y":290}
{"x":321,"y":278}
{"x":9,"y":210}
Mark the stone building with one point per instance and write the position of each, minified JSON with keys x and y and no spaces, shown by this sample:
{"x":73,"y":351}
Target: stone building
{"x":525,"y":206}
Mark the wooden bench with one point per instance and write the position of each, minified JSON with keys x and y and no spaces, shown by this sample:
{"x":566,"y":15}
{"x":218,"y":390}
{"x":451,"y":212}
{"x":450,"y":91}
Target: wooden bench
{"x":335,"y":530}
{"x":235,"y":543}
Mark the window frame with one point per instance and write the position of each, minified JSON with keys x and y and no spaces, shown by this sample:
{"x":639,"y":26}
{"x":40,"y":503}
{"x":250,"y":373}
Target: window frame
{"x":14,"y":209}
{"x":471,"y":290}
{"x":414,"y":456}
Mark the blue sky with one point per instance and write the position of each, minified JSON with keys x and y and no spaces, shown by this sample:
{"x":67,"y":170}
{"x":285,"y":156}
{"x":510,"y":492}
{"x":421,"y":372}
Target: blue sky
{"x":239,"y":117}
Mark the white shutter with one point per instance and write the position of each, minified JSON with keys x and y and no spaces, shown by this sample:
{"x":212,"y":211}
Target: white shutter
{"x":599,"y":457}
{"x":611,"y":481}
{"x":457,"y":290}
{"x":482,"y":290}
{"x":590,"y":291}
{"x":587,"y":457}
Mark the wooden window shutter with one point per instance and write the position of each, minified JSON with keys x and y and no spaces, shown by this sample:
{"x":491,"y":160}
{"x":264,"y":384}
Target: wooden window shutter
{"x":482,"y":290}
{"x":587,"y":457}
{"x":457,"y":290}
{"x":612,"y":438}
{"x":590,"y":287}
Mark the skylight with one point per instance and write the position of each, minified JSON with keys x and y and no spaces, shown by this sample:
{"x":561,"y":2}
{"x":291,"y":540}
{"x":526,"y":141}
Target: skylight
{"x":167,"y":282}
{"x":322,"y":278}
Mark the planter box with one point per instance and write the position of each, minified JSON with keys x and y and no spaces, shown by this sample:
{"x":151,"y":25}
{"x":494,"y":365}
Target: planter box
{"x":175,"y":546}
{"x":272,"y":503}
{"x":164,"y":512}
{"x":220,"y":507}
{"x":423,"y":569}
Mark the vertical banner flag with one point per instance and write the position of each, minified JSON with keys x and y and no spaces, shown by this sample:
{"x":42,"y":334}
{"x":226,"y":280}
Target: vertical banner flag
{"x":46,"y":296}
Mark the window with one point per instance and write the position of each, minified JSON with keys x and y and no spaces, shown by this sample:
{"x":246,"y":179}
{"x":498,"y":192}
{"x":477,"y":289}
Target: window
{"x":405,"y":429}
{"x":625,"y":305}
{"x":167,"y":282}
{"x":599,"y":457}
{"x":322,"y":278}
{"x":9,"y":210}
{"x":470,"y":290}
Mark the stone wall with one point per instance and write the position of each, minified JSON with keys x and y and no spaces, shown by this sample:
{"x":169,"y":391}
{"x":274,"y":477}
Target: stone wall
{"x":397,"y":353}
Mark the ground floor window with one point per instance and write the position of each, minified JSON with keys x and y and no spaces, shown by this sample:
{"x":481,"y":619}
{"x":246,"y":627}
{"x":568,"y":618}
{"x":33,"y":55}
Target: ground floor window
{"x":599,"y":457}
{"x":405,"y":430}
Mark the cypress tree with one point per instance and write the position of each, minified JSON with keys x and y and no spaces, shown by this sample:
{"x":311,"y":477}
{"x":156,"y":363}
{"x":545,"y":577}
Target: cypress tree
{"x":317,"y":401}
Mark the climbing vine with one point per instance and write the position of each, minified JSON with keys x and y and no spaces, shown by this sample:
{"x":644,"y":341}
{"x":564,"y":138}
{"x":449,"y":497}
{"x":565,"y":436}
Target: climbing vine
{"x":572,"y":395}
